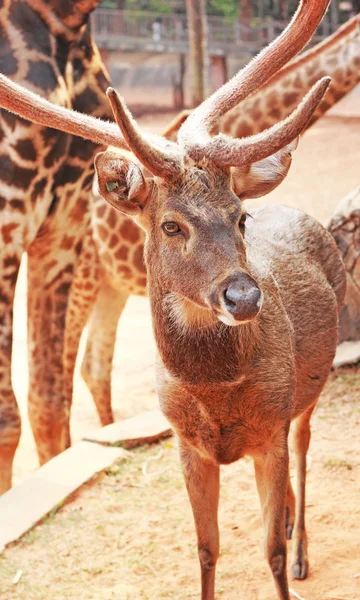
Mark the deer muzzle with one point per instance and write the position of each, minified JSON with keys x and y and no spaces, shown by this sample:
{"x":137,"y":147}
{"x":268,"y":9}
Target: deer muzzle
{"x":240,"y":299}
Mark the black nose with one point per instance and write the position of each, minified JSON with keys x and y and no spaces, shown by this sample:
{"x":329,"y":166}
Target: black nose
{"x":242,"y":297}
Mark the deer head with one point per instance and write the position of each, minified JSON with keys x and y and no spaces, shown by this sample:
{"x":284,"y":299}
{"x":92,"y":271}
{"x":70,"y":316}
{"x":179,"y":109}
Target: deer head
{"x":192,"y":209}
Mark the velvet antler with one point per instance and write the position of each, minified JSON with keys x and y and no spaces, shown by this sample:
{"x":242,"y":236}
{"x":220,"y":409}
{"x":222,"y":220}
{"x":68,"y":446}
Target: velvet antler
{"x":194,"y":135}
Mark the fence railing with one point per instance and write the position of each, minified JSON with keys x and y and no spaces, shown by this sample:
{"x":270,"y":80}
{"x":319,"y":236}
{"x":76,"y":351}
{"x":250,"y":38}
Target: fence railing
{"x":132,"y":30}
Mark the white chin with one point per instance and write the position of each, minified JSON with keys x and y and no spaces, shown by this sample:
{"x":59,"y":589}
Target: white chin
{"x":228,"y":320}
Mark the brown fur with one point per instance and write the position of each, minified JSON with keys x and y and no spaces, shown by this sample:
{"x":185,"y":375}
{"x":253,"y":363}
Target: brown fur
{"x":231,"y":391}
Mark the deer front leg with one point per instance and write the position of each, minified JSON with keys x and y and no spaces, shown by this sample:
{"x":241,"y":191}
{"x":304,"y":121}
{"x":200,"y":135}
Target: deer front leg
{"x":271,"y":470}
{"x":300,"y":564}
{"x":202,"y":483}
{"x":290,"y":510}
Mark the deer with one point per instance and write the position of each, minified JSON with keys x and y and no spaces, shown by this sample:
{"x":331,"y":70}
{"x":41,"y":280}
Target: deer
{"x":244,"y":303}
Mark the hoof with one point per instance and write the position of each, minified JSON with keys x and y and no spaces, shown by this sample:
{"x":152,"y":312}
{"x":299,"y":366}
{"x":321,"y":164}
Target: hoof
{"x":288,"y":525}
{"x":300,"y":568}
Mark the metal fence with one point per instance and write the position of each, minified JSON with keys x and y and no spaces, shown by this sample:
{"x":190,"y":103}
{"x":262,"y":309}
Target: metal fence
{"x":145,"y":31}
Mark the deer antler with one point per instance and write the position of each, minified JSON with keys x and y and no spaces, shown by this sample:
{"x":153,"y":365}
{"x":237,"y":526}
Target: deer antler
{"x":194,"y":135}
{"x":165,"y":162}
{"x":30,"y":106}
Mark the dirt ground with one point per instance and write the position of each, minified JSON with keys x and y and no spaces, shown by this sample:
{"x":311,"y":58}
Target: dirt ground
{"x":130,"y":534}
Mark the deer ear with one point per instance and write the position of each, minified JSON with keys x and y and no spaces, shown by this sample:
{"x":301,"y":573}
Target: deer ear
{"x":260,"y":178}
{"x":121,"y":182}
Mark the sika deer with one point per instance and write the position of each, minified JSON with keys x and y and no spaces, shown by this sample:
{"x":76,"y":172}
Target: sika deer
{"x":244,"y":306}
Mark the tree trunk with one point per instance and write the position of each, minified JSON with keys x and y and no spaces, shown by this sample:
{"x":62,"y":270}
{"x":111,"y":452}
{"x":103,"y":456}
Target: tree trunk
{"x":196,"y":17}
{"x":345,"y":227}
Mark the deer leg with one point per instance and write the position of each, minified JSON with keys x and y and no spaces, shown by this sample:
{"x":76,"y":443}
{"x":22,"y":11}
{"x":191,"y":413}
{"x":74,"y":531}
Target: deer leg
{"x":83,"y":293}
{"x":97,"y":363}
{"x":202,"y":483}
{"x":300,"y":562}
{"x":10,"y":423}
{"x":271,"y":470}
{"x":290,"y":510}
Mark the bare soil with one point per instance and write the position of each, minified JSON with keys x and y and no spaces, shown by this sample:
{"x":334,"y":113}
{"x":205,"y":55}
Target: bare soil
{"x":130,"y":534}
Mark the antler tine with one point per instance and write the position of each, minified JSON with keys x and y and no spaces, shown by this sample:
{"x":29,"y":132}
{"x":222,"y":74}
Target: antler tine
{"x":272,"y":58}
{"x":228,"y":152}
{"x":32,"y":107}
{"x":163,"y":162}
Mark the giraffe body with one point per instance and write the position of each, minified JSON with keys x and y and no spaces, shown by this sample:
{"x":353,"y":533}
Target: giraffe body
{"x":45,"y":181}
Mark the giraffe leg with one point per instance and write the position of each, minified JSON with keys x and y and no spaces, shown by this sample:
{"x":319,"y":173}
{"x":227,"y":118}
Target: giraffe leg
{"x":50,"y":274}
{"x":97,"y":363}
{"x":300,"y":564}
{"x":83,"y":293}
{"x":10,"y":423}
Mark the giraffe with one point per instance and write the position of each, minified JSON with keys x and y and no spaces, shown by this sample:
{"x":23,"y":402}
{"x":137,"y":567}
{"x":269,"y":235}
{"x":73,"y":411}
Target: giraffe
{"x":117,"y":244}
{"x":45,"y":182}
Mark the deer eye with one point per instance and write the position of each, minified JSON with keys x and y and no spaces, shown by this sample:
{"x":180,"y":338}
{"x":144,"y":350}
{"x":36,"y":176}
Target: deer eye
{"x":242,"y":221}
{"x":171,"y":228}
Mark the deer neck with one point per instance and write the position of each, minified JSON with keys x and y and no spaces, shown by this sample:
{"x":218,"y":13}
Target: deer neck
{"x":197,"y":349}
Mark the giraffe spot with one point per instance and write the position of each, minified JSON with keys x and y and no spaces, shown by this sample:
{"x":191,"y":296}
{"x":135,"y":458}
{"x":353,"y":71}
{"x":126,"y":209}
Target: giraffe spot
{"x":125,"y":271}
{"x":290,"y":98}
{"x":3,"y":297}
{"x":356,"y":60}
{"x":72,"y":173}
{"x":100,"y":210}
{"x":113,"y":241}
{"x":78,"y":69}
{"x":88,"y":286}
{"x":298,"y":82}
{"x":112,"y":217}
{"x":275,"y":113}
{"x":255,"y":115}
{"x":63,"y":288}
{"x":78,"y":247}
{"x":67,"y":242}
{"x":2,"y":202}
{"x":61,"y":54}
{"x":87,"y":183}
{"x":42,"y":75}
{"x":243,"y":129}
{"x":57,"y":150}
{"x":86,"y":102}
{"x":6,"y":231}
{"x":130,"y":232}
{"x":80,"y":209}
{"x":84,"y":43}
{"x":102,"y":232}
{"x":122,"y":253}
{"x":14,"y":175}
{"x":82,"y":149}
{"x":33,"y":29}
{"x":338,"y":75}
{"x":12,"y":120}
{"x":11,"y":261}
{"x":39,"y":189}
{"x":141,"y":281}
{"x":8,"y":62}
{"x":138,"y":259}
{"x":26,"y":150}
{"x":18,"y":205}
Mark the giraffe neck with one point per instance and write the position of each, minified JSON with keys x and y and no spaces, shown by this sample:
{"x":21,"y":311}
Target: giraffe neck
{"x":64,"y":18}
{"x":338,"y":56}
